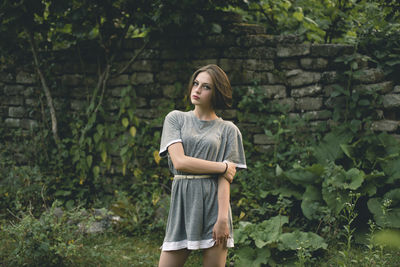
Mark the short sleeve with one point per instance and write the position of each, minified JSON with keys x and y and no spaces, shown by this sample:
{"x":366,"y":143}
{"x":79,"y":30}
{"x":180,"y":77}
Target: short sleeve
{"x":171,"y":132}
{"x":234,"y":151}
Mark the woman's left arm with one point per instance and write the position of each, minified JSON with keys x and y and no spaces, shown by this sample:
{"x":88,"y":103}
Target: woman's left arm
{"x":221,"y":227}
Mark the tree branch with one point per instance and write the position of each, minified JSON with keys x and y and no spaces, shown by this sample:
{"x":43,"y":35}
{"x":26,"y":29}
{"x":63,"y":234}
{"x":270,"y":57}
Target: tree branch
{"x":45,"y":88}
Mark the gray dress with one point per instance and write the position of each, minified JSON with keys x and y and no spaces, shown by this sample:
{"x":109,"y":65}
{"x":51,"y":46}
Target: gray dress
{"x":194,"y":202}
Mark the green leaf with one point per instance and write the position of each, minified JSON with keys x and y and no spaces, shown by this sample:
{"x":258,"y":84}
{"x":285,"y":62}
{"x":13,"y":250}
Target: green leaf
{"x":329,"y":148}
{"x":89,"y":160}
{"x":389,"y":219}
{"x":301,"y":176}
{"x":125,"y":122}
{"x":298,"y":15}
{"x":268,"y":231}
{"x":311,"y":202}
{"x":249,"y":257}
{"x":308,"y":240}
{"x":96,"y":171}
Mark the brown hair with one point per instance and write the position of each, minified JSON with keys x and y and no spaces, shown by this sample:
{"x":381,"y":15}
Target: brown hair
{"x":221,"y":87}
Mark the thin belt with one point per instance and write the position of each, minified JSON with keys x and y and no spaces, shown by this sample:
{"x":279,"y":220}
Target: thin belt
{"x":179,"y":176}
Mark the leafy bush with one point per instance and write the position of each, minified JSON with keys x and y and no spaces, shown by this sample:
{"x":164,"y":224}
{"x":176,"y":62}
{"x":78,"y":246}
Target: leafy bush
{"x":53,"y":239}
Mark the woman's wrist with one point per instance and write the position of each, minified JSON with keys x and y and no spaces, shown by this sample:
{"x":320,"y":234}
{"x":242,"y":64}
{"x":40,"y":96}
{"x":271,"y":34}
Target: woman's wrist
{"x":226,"y":168}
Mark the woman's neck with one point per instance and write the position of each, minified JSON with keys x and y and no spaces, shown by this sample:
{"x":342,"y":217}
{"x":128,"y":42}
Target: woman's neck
{"x":205,"y":114}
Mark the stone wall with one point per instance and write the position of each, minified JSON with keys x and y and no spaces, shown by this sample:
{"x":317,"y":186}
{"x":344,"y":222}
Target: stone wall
{"x":299,"y":75}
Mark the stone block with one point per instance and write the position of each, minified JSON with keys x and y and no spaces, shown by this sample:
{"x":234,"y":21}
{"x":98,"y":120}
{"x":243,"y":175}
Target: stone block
{"x":12,"y":123}
{"x":317,"y":115}
{"x":301,"y":78}
{"x":148,"y":90}
{"x":309,"y":103}
{"x":14,"y":100}
{"x":140,"y":102}
{"x":167,"y":76}
{"x":273,"y":91}
{"x":122,"y":79}
{"x":333,"y":102}
{"x":396,"y":89}
{"x":286,"y":103}
{"x":171,"y":91}
{"x":13,"y":89}
{"x":29,"y":124}
{"x":203,"y":62}
{"x":264,"y":149}
{"x":385,"y":125}
{"x":144,"y":65}
{"x":255,"y":40}
{"x":25,"y":78}
{"x":71,"y":80}
{"x":16,"y":112}
{"x":272,"y":78}
{"x":32,"y":102}
{"x":207,"y":53}
{"x":290,"y":64}
{"x":262,"y":139}
{"x":142,"y":78}
{"x":258,"y":65}
{"x":330,"y":50}
{"x":117,"y":91}
{"x":227,"y":114}
{"x":262,"y":52}
{"x":147,"y":113}
{"x":328,"y":77}
{"x":314,"y":63}
{"x":159,"y":102}
{"x":391,"y":100}
{"x":246,"y":29}
{"x":287,"y":39}
{"x":6,"y":77}
{"x":293,"y":50}
{"x":228,"y":64}
{"x":369,"y":76}
{"x":384,"y":87}
{"x":249,"y":127}
{"x":219,"y":40}
{"x":306,"y":91}
{"x":30,"y":91}
{"x":235,"y":52}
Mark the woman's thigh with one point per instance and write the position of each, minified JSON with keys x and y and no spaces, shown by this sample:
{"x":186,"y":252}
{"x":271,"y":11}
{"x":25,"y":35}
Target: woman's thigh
{"x":175,"y":258}
{"x":215,"y":256}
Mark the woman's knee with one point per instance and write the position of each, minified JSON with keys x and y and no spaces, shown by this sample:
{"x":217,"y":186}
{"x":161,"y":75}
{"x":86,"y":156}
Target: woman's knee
{"x":175,"y":258}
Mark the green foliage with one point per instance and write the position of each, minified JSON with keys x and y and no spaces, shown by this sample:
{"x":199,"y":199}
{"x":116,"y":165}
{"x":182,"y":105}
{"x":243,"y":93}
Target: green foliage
{"x":268,"y":236}
{"x":50,"y":240}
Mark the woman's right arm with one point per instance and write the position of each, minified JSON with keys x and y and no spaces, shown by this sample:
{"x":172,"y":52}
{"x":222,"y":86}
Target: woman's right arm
{"x":193,"y":165}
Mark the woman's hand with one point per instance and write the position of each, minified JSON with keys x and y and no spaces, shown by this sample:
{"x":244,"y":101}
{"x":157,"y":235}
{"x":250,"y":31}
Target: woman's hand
{"x":221,"y":232}
{"x":230,"y":172}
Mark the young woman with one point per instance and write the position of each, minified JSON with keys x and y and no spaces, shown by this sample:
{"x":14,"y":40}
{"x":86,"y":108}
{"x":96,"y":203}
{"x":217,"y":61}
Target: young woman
{"x":203,"y":154}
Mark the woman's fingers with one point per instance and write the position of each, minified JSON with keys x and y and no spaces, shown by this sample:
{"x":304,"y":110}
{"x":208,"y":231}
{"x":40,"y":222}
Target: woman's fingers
{"x":230,"y":172}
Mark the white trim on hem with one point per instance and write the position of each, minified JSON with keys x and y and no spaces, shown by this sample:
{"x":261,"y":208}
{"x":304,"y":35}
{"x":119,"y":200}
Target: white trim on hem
{"x":170,"y":143}
{"x":193,"y":245}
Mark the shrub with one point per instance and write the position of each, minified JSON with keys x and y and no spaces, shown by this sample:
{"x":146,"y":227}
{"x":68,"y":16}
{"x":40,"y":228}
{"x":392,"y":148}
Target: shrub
{"x":53,"y":239}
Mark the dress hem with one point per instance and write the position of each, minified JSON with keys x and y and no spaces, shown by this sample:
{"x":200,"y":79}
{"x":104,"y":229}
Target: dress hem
{"x":193,"y":245}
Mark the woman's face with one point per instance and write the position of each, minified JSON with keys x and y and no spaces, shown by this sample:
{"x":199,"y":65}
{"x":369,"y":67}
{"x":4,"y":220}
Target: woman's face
{"x":202,"y":90}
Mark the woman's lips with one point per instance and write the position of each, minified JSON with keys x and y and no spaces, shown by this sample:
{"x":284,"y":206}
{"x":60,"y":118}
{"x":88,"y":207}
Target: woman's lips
{"x":195,"y":97}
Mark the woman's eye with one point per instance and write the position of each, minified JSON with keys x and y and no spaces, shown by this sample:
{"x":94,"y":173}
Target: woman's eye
{"x":195,"y":83}
{"x":206,"y":87}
